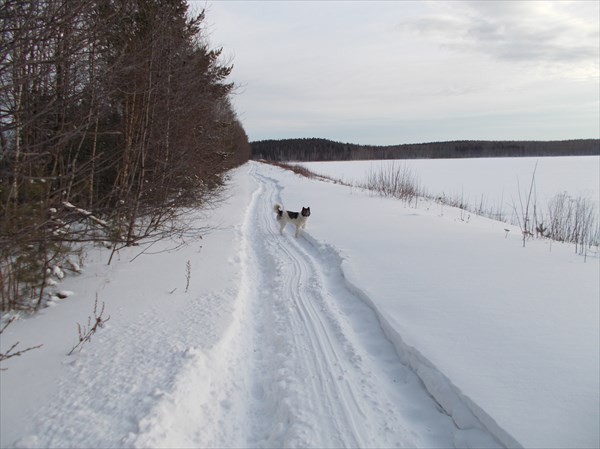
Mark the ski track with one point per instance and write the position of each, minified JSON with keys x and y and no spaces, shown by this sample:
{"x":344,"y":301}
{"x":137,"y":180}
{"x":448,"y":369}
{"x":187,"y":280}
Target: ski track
{"x":304,"y":362}
{"x":329,"y":378}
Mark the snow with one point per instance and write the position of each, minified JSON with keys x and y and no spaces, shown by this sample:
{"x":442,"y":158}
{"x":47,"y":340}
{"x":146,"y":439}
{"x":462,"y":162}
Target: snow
{"x":496,"y":181}
{"x":381,"y":325}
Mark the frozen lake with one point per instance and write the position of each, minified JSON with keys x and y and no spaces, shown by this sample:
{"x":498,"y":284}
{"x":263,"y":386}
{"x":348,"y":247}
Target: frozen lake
{"x":496,"y":181}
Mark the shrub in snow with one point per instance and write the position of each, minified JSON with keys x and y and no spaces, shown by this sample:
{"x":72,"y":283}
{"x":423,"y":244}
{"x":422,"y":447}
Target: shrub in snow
{"x":396,"y":181}
{"x":85,"y":332}
{"x":26,"y":271}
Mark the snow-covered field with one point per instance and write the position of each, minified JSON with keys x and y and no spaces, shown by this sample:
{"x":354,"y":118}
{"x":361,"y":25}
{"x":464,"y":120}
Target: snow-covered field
{"x":495,"y":181}
{"x":381,"y":326}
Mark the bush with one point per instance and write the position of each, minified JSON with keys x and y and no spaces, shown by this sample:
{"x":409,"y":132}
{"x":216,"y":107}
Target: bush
{"x":393,"y":180}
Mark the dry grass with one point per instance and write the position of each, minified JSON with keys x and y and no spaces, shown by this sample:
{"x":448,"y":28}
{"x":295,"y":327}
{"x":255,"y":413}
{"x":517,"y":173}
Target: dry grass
{"x":303,"y":171}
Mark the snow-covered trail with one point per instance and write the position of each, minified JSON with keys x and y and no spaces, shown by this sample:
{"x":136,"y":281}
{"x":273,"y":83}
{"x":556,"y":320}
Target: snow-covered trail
{"x":305,"y":363}
{"x":329,"y":377}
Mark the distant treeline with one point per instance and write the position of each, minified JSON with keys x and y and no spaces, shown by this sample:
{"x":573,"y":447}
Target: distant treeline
{"x":312,"y":149}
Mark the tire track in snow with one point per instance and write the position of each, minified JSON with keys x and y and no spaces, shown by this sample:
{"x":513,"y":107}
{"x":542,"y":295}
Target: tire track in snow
{"x":324,"y":374}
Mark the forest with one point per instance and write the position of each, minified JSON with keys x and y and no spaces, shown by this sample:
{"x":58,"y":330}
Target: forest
{"x":313,"y":149}
{"x":115,"y":117}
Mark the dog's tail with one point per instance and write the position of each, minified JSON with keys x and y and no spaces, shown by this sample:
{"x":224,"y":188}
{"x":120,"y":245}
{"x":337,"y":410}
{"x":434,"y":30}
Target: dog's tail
{"x":277,"y":208}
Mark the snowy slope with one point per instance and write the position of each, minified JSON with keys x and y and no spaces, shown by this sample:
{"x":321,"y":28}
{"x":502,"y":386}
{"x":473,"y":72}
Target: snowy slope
{"x":338,"y":338}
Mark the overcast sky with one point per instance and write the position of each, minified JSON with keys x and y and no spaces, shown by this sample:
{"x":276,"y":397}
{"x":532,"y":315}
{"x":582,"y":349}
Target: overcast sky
{"x":405,"y":72}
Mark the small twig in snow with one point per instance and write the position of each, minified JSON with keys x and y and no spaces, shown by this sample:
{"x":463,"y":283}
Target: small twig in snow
{"x":10,"y":353}
{"x":188,"y":275}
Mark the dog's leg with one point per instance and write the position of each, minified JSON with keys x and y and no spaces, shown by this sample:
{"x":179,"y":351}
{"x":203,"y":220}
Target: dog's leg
{"x":282,"y":224}
{"x":302,"y":226}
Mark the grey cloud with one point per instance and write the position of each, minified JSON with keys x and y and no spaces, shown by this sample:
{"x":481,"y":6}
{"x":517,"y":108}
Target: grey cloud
{"x":511,"y":32}
{"x":518,"y":42}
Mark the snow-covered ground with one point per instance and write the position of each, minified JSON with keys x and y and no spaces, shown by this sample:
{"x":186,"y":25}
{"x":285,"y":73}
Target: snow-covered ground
{"x":497,"y":182}
{"x":382,"y":325}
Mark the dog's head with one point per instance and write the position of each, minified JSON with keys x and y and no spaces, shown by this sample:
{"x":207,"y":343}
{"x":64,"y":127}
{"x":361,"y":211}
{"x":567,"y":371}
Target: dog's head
{"x":305,"y":212}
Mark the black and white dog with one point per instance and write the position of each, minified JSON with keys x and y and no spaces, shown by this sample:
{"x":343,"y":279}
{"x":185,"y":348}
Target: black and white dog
{"x":296,"y":218}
